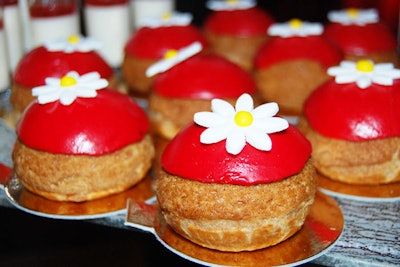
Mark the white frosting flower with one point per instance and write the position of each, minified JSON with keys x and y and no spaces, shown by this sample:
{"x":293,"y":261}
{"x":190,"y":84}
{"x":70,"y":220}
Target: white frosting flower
{"x":240,"y":124}
{"x":220,"y":5}
{"x":173,"y":57}
{"x":354,"y":16}
{"x":295,"y":27}
{"x":69,"y":87}
{"x":364,"y":73}
{"x":73,"y":43}
{"x":167,"y":19}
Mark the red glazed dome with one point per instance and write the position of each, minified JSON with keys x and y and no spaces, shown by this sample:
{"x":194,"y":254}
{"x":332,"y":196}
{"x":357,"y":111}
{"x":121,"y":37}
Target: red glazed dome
{"x":153,"y":43}
{"x":186,"y":157}
{"x":344,"y":111}
{"x":39,"y":63}
{"x":204,"y":76}
{"x":89,"y":126}
{"x":361,"y":40}
{"x":243,"y":23}
{"x":314,"y":47}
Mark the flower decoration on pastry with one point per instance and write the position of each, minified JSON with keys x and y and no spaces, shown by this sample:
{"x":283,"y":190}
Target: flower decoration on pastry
{"x":173,"y":57}
{"x":167,"y":19}
{"x":295,"y":27}
{"x":364,"y":72}
{"x":74,"y":43}
{"x":218,"y":5}
{"x":240,"y":124}
{"x":354,"y":16}
{"x":69,"y":87}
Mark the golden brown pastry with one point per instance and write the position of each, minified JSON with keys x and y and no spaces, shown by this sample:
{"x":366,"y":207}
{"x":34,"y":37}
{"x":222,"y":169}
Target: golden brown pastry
{"x":237,"y":195}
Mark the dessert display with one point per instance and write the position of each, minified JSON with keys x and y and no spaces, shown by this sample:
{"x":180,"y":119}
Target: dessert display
{"x":187,"y":81}
{"x":293,"y":63}
{"x":150,"y":43}
{"x":81,"y":141}
{"x":237,"y":29}
{"x":237,"y":179}
{"x":360,"y":34}
{"x":352,"y":123}
{"x":54,"y":59}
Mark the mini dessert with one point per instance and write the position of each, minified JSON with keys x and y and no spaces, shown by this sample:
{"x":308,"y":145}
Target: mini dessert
{"x":187,"y":82}
{"x":250,"y":191}
{"x":236,"y":30}
{"x":353,"y":124}
{"x":293,"y":63}
{"x":54,"y":59}
{"x":360,"y":34}
{"x":150,"y":43}
{"x":78,"y":143}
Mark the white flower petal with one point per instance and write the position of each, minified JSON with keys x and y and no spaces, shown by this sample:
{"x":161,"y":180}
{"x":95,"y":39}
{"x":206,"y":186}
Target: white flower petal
{"x":259,"y":140}
{"x":67,"y":97}
{"x":265,"y":110}
{"x":214,"y":134}
{"x":346,"y":78}
{"x":271,"y":124}
{"x":222,"y":107}
{"x":363,"y":82}
{"x":208,"y":119}
{"x":235,"y":142}
{"x":44,"y":89}
{"x":244,"y":102}
{"x":382,"y":80}
{"x":48,"y":98}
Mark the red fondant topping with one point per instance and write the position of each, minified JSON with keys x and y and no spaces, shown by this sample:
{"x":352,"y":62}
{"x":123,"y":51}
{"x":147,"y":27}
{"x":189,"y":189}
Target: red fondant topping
{"x":90,"y":126}
{"x":186,"y":157}
{"x":310,"y":47}
{"x":44,"y":10}
{"x":204,"y":76}
{"x":39,"y":64}
{"x":361,"y":40}
{"x":243,"y":23}
{"x":153,"y":43}
{"x":345,"y":111}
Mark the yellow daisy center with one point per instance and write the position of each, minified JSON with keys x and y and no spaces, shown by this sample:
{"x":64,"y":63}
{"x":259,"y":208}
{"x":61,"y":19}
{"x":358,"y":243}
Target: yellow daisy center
{"x":352,"y":12}
{"x":73,"y":39}
{"x":232,"y":2}
{"x":170,"y":54}
{"x":295,"y":23}
{"x":166,"y":16}
{"x":67,"y":81}
{"x":364,"y":66}
{"x":243,"y":118}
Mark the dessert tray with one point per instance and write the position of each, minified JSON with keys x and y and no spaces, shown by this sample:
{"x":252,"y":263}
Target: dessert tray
{"x":322,"y":228}
{"x":29,"y":202}
{"x":371,"y":193}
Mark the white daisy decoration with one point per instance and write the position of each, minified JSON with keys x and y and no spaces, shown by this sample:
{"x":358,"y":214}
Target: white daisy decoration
{"x":226,"y":5}
{"x":354,"y":16}
{"x":69,"y":87}
{"x":295,"y":27}
{"x":240,"y":124}
{"x":167,"y":19}
{"x":364,"y":73}
{"x":173,"y":57}
{"x":74,"y":43}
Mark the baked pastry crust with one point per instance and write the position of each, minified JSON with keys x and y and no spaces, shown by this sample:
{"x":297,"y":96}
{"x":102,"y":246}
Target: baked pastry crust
{"x":367,"y":162}
{"x":234,"y":217}
{"x":240,"y":50}
{"x":289,"y":83}
{"x":81,"y":177}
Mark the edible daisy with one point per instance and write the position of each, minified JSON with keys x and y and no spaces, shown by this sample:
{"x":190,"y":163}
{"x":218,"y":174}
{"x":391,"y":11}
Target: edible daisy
{"x":218,"y":5}
{"x":69,"y":87}
{"x":354,"y":16}
{"x":173,"y":57}
{"x":167,"y":19}
{"x":295,"y":27}
{"x":364,"y":73}
{"x":73,"y":43}
{"x":240,"y":124}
